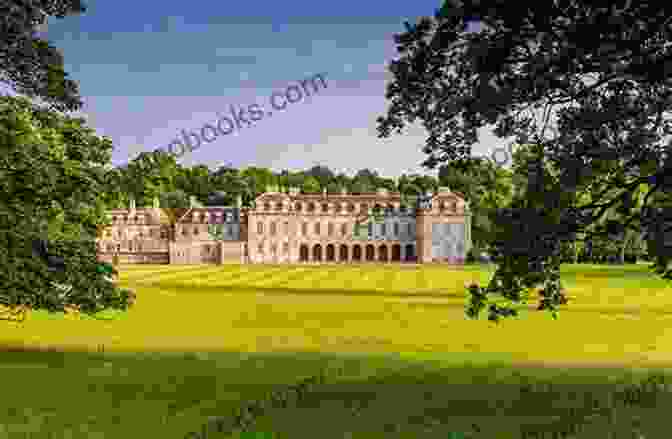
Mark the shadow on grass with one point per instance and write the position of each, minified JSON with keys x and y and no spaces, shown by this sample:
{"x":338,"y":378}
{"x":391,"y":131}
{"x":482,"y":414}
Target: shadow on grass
{"x":171,"y":394}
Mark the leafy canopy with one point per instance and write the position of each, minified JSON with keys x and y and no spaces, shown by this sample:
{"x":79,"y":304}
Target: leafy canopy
{"x":586,"y":83}
{"x":28,"y":63}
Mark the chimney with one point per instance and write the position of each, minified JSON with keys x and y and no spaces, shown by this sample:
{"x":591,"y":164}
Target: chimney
{"x":132,"y":204}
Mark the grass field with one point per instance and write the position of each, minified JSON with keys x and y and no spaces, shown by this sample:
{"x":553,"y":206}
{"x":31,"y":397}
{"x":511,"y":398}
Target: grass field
{"x":202,"y":339}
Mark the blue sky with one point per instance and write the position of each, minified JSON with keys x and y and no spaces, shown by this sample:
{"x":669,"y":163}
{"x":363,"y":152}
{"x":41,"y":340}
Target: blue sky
{"x":148,"y":69}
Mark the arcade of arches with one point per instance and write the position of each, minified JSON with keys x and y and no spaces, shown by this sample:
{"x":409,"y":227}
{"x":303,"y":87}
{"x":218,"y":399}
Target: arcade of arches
{"x":356,"y":253}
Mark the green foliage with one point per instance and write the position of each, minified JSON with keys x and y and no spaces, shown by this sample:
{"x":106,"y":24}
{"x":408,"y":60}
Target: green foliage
{"x":216,"y":231}
{"x":30,"y":64}
{"x":51,"y":175}
{"x":174,"y":200}
{"x":591,"y":103}
{"x":311,"y":185}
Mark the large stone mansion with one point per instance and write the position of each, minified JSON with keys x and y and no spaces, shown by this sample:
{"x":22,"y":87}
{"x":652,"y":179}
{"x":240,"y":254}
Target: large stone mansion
{"x":290,"y":227}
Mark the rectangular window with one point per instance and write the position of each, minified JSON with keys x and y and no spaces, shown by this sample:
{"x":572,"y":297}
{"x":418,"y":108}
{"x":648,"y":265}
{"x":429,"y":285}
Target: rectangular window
{"x":382,"y":229}
{"x":396,"y":229}
{"x":273,"y":230}
{"x":260,"y":228}
{"x":317,"y":228}
{"x":304,"y":229}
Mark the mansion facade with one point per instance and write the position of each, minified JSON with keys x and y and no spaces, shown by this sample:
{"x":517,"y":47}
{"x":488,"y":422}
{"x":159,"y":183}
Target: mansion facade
{"x":290,"y":227}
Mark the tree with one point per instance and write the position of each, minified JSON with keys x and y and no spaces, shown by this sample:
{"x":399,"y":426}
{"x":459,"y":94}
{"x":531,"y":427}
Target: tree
{"x":196,"y":181}
{"x":52,"y":171}
{"x":174,"y":200}
{"x":593,"y":99}
{"x":311,"y":186}
{"x":333,"y":188}
{"x":322,"y":174}
{"x":219,"y":198}
{"x":359,"y":187}
{"x":29,"y":64}
{"x":386,"y":183}
{"x":258,"y":179}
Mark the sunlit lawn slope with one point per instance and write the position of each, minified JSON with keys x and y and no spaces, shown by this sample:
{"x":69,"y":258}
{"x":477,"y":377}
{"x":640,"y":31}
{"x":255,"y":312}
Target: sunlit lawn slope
{"x":417,"y":367}
{"x":617,"y":314}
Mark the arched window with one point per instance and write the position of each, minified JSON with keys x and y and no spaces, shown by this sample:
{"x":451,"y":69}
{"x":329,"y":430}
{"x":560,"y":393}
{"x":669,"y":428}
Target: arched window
{"x":267,"y":206}
{"x":260,"y":228}
{"x":273,"y":229}
{"x":330,"y":229}
{"x":383,"y":228}
{"x":195,"y":231}
{"x":344,"y":229}
{"x":311,"y":207}
{"x":396,"y":229}
{"x":351,"y":207}
{"x":325,"y":207}
{"x":298,"y":207}
{"x":317,"y":228}
{"x":304,"y":229}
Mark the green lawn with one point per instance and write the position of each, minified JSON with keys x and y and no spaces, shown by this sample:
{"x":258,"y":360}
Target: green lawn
{"x":202,"y":339}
